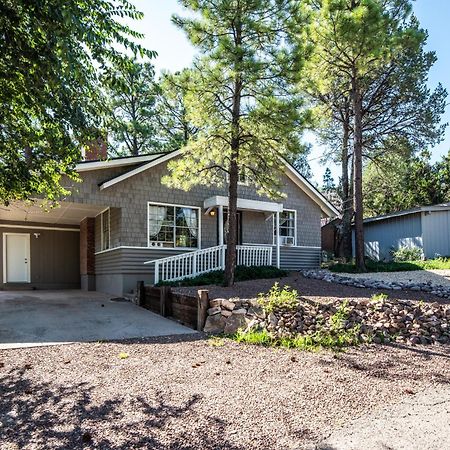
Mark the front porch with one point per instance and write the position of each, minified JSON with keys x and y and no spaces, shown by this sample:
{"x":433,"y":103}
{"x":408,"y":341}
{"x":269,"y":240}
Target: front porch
{"x":266,"y":236}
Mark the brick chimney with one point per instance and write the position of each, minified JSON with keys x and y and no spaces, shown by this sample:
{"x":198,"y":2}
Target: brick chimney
{"x":95,"y":150}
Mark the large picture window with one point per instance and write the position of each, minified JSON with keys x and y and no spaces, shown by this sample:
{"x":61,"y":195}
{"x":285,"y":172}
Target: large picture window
{"x":287,"y":228}
{"x":173,"y":226}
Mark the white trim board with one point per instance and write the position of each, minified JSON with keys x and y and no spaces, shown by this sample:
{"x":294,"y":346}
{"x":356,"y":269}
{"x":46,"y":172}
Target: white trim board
{"x":110,"y":163}
{"x":37,"y":227}
{"x":131,"y":247}
{"x":244,"y":204}
{"x":140,"y":169}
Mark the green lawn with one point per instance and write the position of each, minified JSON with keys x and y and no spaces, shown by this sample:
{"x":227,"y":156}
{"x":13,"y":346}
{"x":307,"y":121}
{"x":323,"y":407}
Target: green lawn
{"x":372,"y":266}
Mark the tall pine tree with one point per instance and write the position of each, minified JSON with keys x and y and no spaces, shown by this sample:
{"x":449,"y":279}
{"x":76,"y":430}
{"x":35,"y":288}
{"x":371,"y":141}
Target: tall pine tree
{"x":240,"y":98}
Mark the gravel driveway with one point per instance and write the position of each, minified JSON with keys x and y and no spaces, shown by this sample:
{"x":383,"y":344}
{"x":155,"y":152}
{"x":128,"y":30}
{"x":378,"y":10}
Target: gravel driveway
{"x":435,"y":277}
{"x":188,"y":394}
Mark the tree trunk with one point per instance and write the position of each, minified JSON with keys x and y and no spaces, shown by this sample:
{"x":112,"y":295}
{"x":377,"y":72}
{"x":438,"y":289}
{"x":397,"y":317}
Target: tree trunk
{"x":230,"y":262}
{"x":347,"y":197}
{"x":357,"y":162}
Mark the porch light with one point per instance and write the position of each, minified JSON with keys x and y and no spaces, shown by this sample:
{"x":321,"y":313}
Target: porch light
{"x":212,"y":213}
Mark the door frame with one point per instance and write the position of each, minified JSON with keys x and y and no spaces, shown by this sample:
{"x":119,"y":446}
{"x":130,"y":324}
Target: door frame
{"x":5,"y":257}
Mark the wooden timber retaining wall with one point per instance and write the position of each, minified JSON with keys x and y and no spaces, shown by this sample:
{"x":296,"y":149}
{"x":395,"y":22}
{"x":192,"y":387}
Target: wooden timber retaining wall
{"x":188,"y":310}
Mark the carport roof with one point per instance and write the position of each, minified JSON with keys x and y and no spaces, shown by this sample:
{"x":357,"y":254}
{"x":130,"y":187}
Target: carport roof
{"x":66,"y":213}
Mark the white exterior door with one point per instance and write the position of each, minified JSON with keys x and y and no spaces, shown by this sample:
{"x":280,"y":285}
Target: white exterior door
{"x":16,"y":258}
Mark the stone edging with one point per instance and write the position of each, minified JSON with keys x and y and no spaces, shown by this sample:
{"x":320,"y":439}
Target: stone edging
{"x":326,"y":275}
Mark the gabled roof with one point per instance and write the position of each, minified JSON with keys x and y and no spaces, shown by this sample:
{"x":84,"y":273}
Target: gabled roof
{"x":148,"y":161}
{"x":406,"y":212}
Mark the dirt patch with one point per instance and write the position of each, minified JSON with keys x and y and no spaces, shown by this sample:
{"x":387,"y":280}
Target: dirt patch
{"x":317,"y":290}
{"x":183,"y":394}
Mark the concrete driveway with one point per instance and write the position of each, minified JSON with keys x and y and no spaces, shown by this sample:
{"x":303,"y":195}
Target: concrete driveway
{"x":33,"y":318}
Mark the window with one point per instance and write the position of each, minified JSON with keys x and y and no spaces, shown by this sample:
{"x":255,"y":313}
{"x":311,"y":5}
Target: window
{"x":243,"y":177}
{"x":288,"y":227}
{"x":173,"y":226}
{"x":105,"y":220}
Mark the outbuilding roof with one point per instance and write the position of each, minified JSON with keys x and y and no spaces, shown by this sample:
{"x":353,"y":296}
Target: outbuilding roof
{"x":405,"y":212}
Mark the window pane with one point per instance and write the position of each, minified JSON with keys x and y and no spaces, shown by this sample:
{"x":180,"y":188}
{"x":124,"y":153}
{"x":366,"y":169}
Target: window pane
{"x":287,"y":227}
{"x":186,"y":227}
{"x":173,"y":226}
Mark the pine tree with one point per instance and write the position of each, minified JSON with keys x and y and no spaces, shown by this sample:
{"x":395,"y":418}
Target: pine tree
{"x":371,"y":54}
{"x":240,"y":97}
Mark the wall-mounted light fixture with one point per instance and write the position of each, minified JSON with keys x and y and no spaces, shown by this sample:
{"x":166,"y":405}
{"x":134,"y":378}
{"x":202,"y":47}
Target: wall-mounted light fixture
{"x":37,"y":235}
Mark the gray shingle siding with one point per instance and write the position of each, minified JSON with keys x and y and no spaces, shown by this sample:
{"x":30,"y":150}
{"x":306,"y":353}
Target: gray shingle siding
{"x":128,"y":201}
{"x":118,"y":269}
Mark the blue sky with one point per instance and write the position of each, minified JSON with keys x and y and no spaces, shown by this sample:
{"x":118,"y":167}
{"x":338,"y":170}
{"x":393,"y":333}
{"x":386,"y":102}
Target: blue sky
{"x":175,"y":52}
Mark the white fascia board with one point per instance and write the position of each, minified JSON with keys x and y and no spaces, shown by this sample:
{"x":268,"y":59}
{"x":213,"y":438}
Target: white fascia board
{"x":326,"y":207}
{"x":143,"y":168}
{"x":108,"y":164}
{"x":252,"y":205}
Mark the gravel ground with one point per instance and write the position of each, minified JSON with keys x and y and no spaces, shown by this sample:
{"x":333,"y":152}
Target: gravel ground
{"x":436,"y":277}
{"x":189,"y":394}
{"x":318,"y":290}
{"x":423,"y":420}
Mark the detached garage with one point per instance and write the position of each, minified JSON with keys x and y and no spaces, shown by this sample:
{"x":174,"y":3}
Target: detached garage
{"x":426,"y":227}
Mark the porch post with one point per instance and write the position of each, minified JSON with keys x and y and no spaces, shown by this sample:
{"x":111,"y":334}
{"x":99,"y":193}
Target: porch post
{"x":221,"y":240}
{"x":278,"y":237}
{"x":220,"y":225}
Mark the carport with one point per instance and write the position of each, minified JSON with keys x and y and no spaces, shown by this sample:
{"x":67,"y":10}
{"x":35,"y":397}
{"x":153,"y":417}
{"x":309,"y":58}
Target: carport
{"x":35,"y":318}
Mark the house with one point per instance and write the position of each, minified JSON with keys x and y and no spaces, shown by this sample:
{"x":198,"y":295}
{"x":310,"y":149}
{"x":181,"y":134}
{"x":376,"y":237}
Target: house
{"x":331,"y":237}
{"x":426,"y":227}
{"x":121,"y":225}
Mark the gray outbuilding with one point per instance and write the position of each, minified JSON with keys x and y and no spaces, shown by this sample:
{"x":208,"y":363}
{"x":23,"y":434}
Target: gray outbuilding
{"x":426,"y":227}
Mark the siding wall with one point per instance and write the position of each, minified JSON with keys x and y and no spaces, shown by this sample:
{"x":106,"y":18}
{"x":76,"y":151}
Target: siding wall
{"x":130,"y":197}
{"x":54,"y":257}
{"x":436,"y":233}
{"x":118,"y":270}
{"x":296,"y":258}
{"x":380,"y":237}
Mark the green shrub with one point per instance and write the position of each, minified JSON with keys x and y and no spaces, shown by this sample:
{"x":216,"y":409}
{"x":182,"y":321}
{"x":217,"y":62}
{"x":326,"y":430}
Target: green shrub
{"x":277,"y":298}
{"x":407,"y":254}
{"x":217,"y":277}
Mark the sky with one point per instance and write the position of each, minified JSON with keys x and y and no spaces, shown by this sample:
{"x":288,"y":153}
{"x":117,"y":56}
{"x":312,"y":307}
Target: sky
{"x":175,"y":53}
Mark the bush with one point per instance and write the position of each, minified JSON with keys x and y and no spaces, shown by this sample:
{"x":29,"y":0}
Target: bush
{"x":217,"y":277}
{"x":277,"y":298}
{"x":404,"y":254}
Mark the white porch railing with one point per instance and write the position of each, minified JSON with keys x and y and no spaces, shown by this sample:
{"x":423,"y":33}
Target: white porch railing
{"x":195,"y":263}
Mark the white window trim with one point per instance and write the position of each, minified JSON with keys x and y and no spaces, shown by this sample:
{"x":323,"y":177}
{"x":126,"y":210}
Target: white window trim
{"x":101,"y":228}
{"x":274,"y":242}
{"x":199,"y":239}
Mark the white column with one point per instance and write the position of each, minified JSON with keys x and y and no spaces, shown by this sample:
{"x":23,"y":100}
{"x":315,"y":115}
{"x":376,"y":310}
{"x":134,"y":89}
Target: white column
{"x":221,"y":240}
{"x":278,"y":238}
{"x":220,"y":225}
